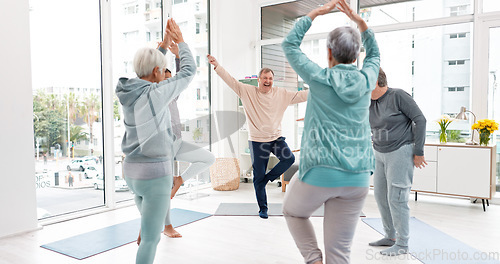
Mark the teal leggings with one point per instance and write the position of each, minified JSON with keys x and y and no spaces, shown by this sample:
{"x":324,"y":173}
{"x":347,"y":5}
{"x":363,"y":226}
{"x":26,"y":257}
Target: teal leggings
{"x":152,"y":198}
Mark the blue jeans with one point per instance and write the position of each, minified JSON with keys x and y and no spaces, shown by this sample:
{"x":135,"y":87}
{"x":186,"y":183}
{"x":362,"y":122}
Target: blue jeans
{"x":392,"y":183}
{"x":260,"y":152}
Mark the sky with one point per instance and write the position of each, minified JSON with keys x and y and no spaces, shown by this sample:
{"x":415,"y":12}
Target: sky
{"x":65,"y":38}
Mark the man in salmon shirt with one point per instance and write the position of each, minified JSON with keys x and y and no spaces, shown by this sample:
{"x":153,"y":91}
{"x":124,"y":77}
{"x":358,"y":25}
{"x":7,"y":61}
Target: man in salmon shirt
{"x":264,"y":107}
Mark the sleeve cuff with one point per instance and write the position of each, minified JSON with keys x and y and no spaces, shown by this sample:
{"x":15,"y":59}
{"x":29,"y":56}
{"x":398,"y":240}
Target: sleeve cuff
{"x":307,"y":22}
{"x":367,"y":34}
{"x":162,"y":50}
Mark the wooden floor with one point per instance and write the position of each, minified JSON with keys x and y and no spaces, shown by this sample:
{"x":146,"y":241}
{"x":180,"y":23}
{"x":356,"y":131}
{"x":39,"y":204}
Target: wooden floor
{"x":242,"y":240}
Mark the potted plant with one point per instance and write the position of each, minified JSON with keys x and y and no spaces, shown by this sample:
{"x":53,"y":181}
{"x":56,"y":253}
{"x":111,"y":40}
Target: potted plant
{"x":485,"y":128}
{"x":444,"y":121}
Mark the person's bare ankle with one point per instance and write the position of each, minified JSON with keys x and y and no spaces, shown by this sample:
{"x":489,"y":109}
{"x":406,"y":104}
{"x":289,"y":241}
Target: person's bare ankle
{"x":139,"y":239}
{"x":171,"y":232}
{"x":178,"y":181}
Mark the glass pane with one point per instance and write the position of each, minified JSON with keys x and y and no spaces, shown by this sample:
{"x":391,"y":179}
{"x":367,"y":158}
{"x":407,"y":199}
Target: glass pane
{"x":415,"y":11}
{"x":328,"y":22}
{"x":66,"y":104}
{"x":494,"y":95}
{"x":491,"y":5}
{"x":434,"y":66}
{"x":143,"y":27}
{"x":193,"y":103}
{"x":135,"y":24}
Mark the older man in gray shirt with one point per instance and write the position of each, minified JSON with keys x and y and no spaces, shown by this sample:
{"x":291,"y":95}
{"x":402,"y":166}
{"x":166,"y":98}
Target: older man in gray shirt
{"x":398,"y":130}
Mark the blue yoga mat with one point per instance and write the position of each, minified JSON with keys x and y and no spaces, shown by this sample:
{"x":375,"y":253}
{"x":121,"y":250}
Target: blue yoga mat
{"x":431,"y":246}
{"x":95,"y":242}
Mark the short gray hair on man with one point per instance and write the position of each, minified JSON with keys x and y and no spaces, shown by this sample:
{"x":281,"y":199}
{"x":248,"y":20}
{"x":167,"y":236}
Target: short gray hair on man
{"x":344,"y":42}
{"x":265,"y":70}
{"x":146,"y":59}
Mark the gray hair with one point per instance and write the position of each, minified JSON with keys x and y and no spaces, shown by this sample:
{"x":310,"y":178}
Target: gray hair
{"x":344,"y":42}
{"x":265,"y":70}
{"x":382,"y":79}
{"x":146,"y":59}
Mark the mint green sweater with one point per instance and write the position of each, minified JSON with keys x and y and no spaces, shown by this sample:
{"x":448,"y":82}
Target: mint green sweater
{"x":336,"y":130}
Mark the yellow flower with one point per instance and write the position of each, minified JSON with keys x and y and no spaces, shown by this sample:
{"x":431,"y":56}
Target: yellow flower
{"x":485,"y":125}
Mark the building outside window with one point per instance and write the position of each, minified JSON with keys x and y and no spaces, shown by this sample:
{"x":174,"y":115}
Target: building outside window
{"x":458,"y":10}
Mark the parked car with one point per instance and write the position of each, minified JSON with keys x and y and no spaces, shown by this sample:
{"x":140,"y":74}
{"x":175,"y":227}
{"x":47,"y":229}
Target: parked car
{"x":120,"y":184}
{"x":81,"y":163}
{"x":91,"y":172}
{"x":95,"y":159}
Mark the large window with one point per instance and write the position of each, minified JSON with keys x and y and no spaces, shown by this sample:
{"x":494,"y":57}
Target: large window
{"x":67,"y":88}
{"x":436,"y":71}
{"x":409,"y":11}
{"x":432,"y":63}
{"x":193,"y":103}
{"x":66,"y":104}
{"x":494,"y":94}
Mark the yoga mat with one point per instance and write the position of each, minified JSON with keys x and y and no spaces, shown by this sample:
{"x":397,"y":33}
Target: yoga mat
{"x":251,"y":209}
{"x":431,"y":246}
{"x":95,"y":242}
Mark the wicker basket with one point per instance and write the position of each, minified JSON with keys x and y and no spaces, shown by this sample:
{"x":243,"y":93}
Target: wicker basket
{"x":225,"y":174}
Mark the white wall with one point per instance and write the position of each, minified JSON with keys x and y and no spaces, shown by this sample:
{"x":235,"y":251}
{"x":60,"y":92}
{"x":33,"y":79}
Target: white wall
{"x":234,"y":26}
{"x":17,"y":174}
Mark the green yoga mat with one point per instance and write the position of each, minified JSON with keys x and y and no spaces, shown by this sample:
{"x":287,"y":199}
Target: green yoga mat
{"x":251,"y":209}
{"x":95,"y":242}
{"x":431,"y":246}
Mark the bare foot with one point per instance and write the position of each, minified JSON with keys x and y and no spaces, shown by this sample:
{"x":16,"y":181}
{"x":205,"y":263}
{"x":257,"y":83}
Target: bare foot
{"x":171,"y":232}
{"x":178,"y":181}
{"x":139,"y":239}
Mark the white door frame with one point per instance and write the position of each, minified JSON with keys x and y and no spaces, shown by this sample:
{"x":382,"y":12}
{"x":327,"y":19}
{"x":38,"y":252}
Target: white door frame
{"x":481,"y":80}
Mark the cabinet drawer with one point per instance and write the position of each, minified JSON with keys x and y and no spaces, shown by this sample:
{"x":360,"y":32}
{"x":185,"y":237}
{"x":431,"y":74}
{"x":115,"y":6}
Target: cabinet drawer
{"x":430,"y":153}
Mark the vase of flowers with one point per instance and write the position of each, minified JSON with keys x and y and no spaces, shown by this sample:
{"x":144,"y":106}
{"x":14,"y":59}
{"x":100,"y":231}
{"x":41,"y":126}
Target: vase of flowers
{"x":485,"y":128}
{"x":444,"y":121}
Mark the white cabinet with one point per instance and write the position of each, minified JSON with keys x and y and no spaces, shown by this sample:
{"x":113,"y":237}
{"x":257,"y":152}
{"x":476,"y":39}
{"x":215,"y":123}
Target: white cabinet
{"x":425,"y":179}
{"x":457,"y":169}
{"x":465,"y":171}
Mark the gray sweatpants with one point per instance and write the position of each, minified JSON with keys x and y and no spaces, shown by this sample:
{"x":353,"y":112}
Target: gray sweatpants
{"x":199,"y":158}
{"x":342,"y":208}
{"x":391,"y":186}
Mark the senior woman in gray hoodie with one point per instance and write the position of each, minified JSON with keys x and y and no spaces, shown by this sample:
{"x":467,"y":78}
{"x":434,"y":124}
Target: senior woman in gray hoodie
{"x":148,"y":139}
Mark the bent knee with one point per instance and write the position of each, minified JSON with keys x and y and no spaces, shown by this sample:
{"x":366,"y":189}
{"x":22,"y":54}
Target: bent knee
{"x":289,"y":160}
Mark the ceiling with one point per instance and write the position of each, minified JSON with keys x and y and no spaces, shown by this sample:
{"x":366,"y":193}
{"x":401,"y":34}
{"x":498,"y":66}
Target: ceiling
{"x":300,"y":8}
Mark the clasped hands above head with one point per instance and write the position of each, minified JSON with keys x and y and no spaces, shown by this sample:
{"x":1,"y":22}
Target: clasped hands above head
{"x":173,"y":34}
